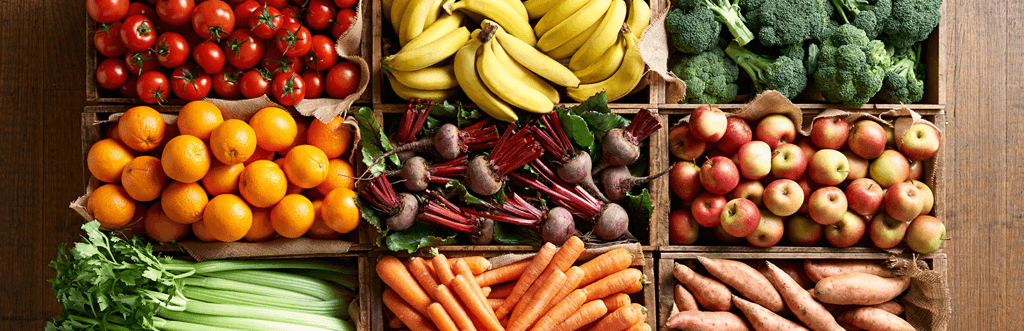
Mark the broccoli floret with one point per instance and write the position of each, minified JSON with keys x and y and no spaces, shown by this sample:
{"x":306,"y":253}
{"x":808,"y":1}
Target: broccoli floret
{"x":911,"y":21}
{"x":868,"y":15}
{"x":785,"y":22}
{"x":783,"y":74}
{"x":904,"y":80}
{"x":692,"y":30}
{"x":728,"y":12}
{"x":710,"y":76}
{"x":851,"y":67}
{"x":827,"y":31}
{"x":794,"y":51}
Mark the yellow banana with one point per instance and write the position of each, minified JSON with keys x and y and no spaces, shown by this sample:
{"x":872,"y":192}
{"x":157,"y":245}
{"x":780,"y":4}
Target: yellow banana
{"x":430,"y":78}
{"x":622,"y":81}
{"x":435,"y":14}
{"x":408,"y":93}
{"x":413,"y":20}
{"x":561,"y":33}
{"x":440,"y":28}
{"x":605,"y":66}
{"x":397,"y":10}
{"x":557,"y":14}
{"x":519,"y":72}
{"x":536,"y":61}
{"x":507,"y":87}
{"x":499,"y":12}
{"x":466,"y":75}
{"x":570,"y":47}
{"x":604,"y":37}
{"x":386,"y":6}
{"x":639,"y":17}
{"x":537,"y":8}
{"x":409,"y":59}
{"x":519,"y":8}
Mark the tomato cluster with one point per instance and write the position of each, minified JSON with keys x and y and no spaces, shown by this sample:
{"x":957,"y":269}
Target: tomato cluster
{"x":236,"y":48}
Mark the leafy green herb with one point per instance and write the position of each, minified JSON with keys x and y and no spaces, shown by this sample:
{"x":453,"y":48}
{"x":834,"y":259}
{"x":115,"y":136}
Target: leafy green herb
{"x":464,"y":194}
{"x":418,"y":236}
{"x":576,"y":128}
{"x":373,"y":142}
{"x":598,"y":103}
{"x":600,"y":122}
{"x":640,"y":207}
{"x":509,"y":234}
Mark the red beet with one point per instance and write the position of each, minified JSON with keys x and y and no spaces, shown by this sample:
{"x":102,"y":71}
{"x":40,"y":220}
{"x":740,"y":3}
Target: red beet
{"x":610,"y":221}
{"x":621,"y":146}
{"x":618,"y":181}
{"x":486,"y":174}
{"x":572,"y":166}
{"x":400,"y":208}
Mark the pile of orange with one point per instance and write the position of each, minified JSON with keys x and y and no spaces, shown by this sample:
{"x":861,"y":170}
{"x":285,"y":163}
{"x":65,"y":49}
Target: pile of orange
{"x":224,"y":180}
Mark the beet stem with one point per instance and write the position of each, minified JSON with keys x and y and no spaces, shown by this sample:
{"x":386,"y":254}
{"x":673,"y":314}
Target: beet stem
{"x":634,"y":181}
{"x":514,"y":152}
{"x":643,"y":125}
{"x":476,"y":136}
{"x":554,"y":139}
{"x":546,"y":173}
{"x":412,"y":120}
{"x":576,"y":204}
{"x":381,"y":195}
{"x":507,"y":219}
{"x":450,"y":168}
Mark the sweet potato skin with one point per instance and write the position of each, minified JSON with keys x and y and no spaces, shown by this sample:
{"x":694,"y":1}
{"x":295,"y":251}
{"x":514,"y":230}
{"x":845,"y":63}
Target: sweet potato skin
{"x":800,"y":302}
{"x":875,"y":319}
{"x":684,"y":300}
{"x":820,"y":269}
{"x":763,"y":319}
{"x":710,"y":293}
{"x":859,"y":289}
{"x":794,"y":269}
{"x":746,"y":280}
{"x":707,"y":321}
{"x":892,"y":307}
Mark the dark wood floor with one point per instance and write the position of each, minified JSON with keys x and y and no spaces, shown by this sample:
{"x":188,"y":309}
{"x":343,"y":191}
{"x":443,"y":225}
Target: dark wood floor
{"x":41,"y":97}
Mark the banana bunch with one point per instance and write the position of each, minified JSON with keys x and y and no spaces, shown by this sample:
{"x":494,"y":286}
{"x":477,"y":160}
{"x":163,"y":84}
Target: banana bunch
{"x":421,"y":69}
{"x":628,"y":68}
{"x":510,"y":14}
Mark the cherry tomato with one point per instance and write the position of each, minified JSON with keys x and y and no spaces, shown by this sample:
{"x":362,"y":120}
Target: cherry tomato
{"x":274,"y":3}
{"x":275,"y":63}
{"x":345,"y":3}
{"x":153,"y":87}
{"x":141,"y":62}
{"x":342,"y":22}
{"x":138,"y":8}
{"x":175,"y":12}
{"x":255,"y":83}
{"x":138,"y":33}
{"x":322,"y":55}
{"x":342,"y":80}
{"x":213,"y":19}
{"x":106,"y":11}
{"x":294,"y":40}
{"x":209,"y":56}
{"x":226,"y":83}
{"x":128,"y":88}
{"x":190,"y":84}
{"x":244,"y":11}
{"x":243,"y":50}
{"x":314,"y":81}
{"x":112,"y":73}
{"x":319,"y":14}
{"x":288,"y":89}
{"x":265,"y":23}
{"x":108,"y":40}
{"x":171,"y":49}
{"x":292,"y":16}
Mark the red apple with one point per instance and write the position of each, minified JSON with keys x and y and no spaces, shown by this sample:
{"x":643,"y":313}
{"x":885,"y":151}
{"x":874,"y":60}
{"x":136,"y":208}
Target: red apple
{"x":830,"y":132}
{"x":725,"y":237}
{"x":755,"y":159}
{"x":858,"y":166}
{"x":864,"y":196}
{"x":890,"y":136}
{"x":890,"y":168}
{"x":803,"y":231}
{"x":737,"y":133}
{"x":925,"y":234}
{"x":783,"y":197}
{"x":789,"y":161}
{"x":807,"y":186}
{"x":719,"y":175}
{"x":920,"y":142}
{"x":682,"y":228}
{"x":775,"y":130}
{"x":749,"y":189}
{"x":827,"y":205}
{"x":926,"y":196}
{"x":886,"y":232}
{"x":708,"y":123}
{"x":740,"y":217}
{"x":684,"y":179}
{"x":828,"y":167}
{"x":682,"y":144}
{"x":769,"y":231}
{"x":707,"y":209}
{"x":867,"y":139}
{"x":903,"y":201}
{"x":916,"y":170}
{"x":807,"y":147}
{"x":847,"y":232}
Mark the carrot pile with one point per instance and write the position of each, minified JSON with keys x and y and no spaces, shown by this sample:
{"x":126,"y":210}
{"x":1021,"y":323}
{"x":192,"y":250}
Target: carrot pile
{"x":545,"y":293}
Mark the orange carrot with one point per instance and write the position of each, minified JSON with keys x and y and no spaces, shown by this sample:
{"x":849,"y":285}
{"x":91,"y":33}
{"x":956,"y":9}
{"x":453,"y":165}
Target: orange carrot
{"x":614,"y":283}
{"x":427,"y":279}
{"x":634,"y":288}
{"x":572,"y":282}
{"x":606,"y":264}
{"x":621,"y":318}
{"x":537,"y":265}
{"x":406,"y":313}
{"x":443,"y":269}
{"x":395,"y":323}
{"x":478,"y":264}
{"x":533,"y":309}
{"x":640,"y":326}
{"x":397,"y":276}
{"x":461,"y":267}
{"x":486,"y":291}
{"x":588,"y":313}
{"x":561,"y":261}
{"x":501,"y":291}
{"x":503,"y":274}
{"x":454,"y":308}
{"x":616,"y":301}
{"x":560,"y":312}
{"x":441,"y":318}
{"x":495,"y":303}
{"x":476,"y":304}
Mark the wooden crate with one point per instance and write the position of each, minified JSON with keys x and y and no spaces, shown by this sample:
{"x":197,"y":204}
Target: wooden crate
{"x":667,"y":282}
{"x":95,"y":93}
{"x":645,"y":263}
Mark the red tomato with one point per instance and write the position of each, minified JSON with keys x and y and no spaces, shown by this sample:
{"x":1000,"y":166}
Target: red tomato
{"x":108,"y":40}
{"x":213,"y":19}
{"x":274,"y":3}
{"x":288,"y":89}
{"x":243,"y":50}
{"x":255,"y":83}
{"x":345,"y":3}
{"x":128,"y":88}
{"x":209,"y":56}
{"x":171,"y":49}
{"x":314,"y":81}
{"x":106,"y":11}
{"x":153,"y":87}
{"x":292,"y":16}
{"x":342,"y":22}
{"x":275,"y":63}
{"x":112,"y":73}
{"x":226,"y":83}
{"x":138,"y":8}
{"x":138,"y":33}
{"x":294,"y":40}
{"x":190,"y":84}
{"x":141,"y":62}
{"x":244,"y":11}
{"x":319,"y":14}
{"x":175,"y":12}
{"x":322,"y":55}
{"x":265,"y":23}
{"x":342,"y":80}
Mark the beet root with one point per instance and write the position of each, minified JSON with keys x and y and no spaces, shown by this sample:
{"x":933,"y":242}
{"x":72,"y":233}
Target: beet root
{"x":406,"y":213}
{"x":618,"y":181}
{"x":414,"y":172}
{"x":485,"y":232}
{"x":480,"y":178}
{"x":612,"y":222}
{"x":618,"y":149}
{"x":447,"y":141}
{"x":559,"y":226}
{"x":577,"y":171}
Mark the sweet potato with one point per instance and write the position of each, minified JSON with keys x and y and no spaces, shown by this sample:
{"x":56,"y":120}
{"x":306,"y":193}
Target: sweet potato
{"x":848,"y":327}
{"x":800,"y":302}
{"x":793,"y":268}
{"x":710,"y":293}
{"x":820,"y":269}
{"x":859,"y":289}
{"x":746,"y":280}
{"x":684,"y":300}
{"x":707,"y":321}
{"x":763,"y":319}
{"x":892,"y":307}
{"x":874,"y":319}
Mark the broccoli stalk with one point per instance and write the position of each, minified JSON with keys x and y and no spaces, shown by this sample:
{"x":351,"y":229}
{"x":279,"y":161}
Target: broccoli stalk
{"x":903,"y":80}
{"x":868,"y":15}
{"x":783,"y":74}
{"x":853,"y":6}
{"x":729,"y":13}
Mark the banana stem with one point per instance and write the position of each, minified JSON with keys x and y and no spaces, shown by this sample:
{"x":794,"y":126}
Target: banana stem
{"x":488,"y":29}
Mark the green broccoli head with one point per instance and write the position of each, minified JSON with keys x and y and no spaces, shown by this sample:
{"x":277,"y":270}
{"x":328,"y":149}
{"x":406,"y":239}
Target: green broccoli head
{"x":868,"y":15}
{"x":728,"y":12}
{"x":692,"y":30}
{"x":830,"y":27}
{"x":904,"y":80}
{"x":911,"y":21}
{"x":710,"y":76}
{"x":785,"y":22}
{"x":851,"y":67}
{"x":784,"y":74}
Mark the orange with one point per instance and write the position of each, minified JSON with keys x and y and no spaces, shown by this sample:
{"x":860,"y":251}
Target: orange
{"x":339,"y":174}
{"x":233,"y":142}
{"x":306,"y":166}
{"x":340,"y":211}
{"x":262,"y":184}
{"x":293,"y":216}
{"x":111,"y":206}
{"x":136,"y":227}
{"x":163,"y":229}
{"x":144,"y":178}
{"x":199,"y":118}
{"x":275,"y":128}
{"x":319,"y":230}
{"x":199,"y":229}
{"x":141,"y":128}
{"x":259,"y":154}
{"x":292,"y":189}
{"x":111,"y":131}
{"x":261,"y":229}
{"x":302,"y":127}
{"x":184,"y":202}
{"x":223,"y":178}
{"x":185,"y":159}
{"x":333,"y":138}
{"x":107,"y":159}
{"x":227,"y":217}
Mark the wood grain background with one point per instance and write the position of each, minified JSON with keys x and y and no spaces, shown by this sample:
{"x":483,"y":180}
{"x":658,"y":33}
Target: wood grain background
{"x":41,"y":97}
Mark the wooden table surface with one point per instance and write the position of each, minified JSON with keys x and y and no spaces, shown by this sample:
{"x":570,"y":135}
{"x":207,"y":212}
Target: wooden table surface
{"x":41,"y":97}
